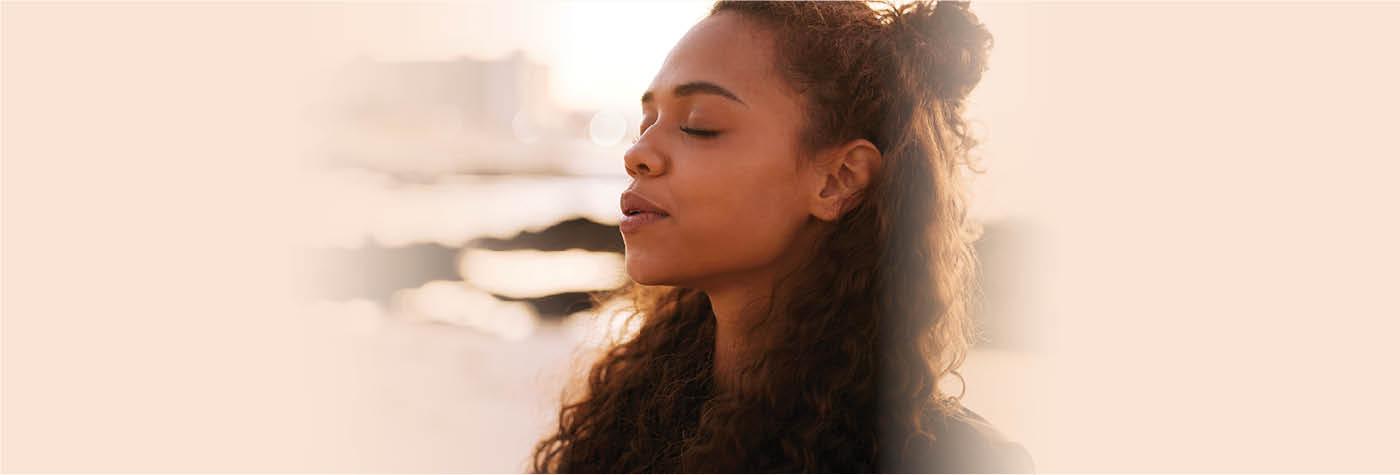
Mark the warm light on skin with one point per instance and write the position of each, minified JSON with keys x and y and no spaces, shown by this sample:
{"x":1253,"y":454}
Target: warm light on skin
{"x":733,"y":197}
{"x":719,"y":152}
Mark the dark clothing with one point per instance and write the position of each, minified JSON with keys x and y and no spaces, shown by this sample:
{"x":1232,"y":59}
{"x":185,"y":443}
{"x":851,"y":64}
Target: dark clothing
{"x":968,"y":443}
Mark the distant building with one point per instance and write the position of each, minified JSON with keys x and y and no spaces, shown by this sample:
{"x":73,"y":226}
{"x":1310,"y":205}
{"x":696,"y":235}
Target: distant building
{"x":459,"y":116}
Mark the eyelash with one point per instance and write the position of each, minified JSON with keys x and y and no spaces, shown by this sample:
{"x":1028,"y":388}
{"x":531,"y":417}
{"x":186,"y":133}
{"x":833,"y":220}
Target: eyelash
{"x":697,"y":133}
{"x":704,"y":134}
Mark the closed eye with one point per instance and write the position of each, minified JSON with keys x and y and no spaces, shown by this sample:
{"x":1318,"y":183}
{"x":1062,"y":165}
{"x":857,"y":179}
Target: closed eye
{"x":700,"y":132}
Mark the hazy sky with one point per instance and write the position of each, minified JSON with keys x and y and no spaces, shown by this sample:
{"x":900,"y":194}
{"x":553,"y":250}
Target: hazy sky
{"x":604,"y":54}
{"x":599,"y":53}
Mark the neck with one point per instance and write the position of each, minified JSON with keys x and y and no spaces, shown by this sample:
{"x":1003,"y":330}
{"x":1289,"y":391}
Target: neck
{"x":735,"y":309}
{"x":739,"y":301}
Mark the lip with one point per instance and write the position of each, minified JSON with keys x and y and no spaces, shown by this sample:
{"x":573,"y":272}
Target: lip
{"x":630,"y":224}
{"x":631,"y":201}
{"x":638,"y":211}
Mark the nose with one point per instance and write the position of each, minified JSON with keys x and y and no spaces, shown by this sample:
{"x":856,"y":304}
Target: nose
{"x":642,"y":159}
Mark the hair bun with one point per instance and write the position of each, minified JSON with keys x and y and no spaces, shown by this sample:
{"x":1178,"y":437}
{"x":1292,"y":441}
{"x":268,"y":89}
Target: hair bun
{"x":944,"y":45}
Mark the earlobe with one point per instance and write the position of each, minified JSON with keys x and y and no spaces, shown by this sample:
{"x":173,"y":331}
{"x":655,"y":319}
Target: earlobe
{"x":828,"y":202}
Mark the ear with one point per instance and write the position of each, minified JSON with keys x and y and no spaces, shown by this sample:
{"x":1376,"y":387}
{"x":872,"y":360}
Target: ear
{"x":839,"y":175}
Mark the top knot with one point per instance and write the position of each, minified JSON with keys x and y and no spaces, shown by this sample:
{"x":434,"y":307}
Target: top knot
{"x":944,"y":45}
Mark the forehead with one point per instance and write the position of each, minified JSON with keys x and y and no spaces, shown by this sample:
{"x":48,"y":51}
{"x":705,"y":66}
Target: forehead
{"x":727,"y":50}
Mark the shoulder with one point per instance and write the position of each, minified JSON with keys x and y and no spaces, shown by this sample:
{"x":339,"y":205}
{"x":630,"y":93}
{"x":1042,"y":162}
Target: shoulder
{"x":966,"y":442}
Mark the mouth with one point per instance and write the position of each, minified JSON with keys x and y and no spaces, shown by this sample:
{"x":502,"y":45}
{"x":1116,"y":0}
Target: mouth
{"x":634,"y":220}
{"x":637,"y":211}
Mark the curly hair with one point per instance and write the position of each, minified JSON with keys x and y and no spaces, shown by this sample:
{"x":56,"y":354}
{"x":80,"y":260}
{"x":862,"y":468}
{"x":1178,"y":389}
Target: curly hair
{"x":856,"y":341}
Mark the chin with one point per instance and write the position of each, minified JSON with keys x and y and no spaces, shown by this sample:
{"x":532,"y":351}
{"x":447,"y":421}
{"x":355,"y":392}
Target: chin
{"x":644,"y":276}
{"x":649,"y":273}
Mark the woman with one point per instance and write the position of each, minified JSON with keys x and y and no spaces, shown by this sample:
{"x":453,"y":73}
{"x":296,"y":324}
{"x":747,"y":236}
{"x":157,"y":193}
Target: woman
{"x":796,"y":227}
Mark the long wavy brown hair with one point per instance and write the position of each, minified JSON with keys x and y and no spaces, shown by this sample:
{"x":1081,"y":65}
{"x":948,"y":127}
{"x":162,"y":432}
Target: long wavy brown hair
{"x":856,"y":341}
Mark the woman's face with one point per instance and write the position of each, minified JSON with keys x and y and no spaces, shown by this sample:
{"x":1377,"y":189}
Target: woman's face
{"x":718,"y":153}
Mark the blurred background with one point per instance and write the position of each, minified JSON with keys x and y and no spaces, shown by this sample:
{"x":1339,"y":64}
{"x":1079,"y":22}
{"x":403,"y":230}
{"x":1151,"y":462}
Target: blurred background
{"x":359,"y":236}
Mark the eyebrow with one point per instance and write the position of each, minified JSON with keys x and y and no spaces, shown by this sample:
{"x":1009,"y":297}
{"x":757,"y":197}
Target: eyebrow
{"x":698,"y":87}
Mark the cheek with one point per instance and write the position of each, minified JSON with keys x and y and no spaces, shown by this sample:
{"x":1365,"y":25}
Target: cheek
{"x":742,"y":217}
{"x":734,"y":211}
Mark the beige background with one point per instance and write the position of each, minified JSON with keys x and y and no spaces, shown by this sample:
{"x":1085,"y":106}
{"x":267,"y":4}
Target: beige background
{"x":1210,"y":188}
